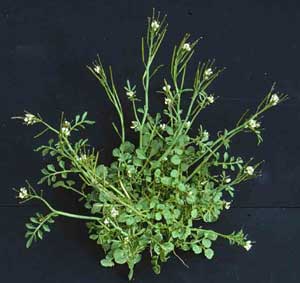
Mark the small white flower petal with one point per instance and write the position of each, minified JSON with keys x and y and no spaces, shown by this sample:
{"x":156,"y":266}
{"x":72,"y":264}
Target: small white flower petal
{"x":186,"y":47}
{"x":274,"y":99}
{"x":249,"y":170}
{"x":155,"y":25}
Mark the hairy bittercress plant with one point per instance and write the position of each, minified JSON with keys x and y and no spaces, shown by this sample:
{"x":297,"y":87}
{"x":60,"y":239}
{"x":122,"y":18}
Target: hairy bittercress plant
{"x":158,"y":195}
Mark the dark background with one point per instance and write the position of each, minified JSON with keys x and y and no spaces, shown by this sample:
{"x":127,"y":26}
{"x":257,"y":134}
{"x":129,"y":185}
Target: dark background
{"x":45,"y":46}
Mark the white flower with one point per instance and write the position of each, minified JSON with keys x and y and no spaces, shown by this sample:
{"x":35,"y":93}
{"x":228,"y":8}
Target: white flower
{"x":166,"y":88}
{"x":65,"y":129}
{"x":168,"y":101}
{"x":186,"y":47}
{"x":130,"y":94}
{"x":82,"y":157}
{"x":114,"y":213}
{"x":97,"y":69}
{"x":126,"y":240}
{"x":274,"y":99}
{"x":205,"y":135}
{"x":253,"y":124}
{"x":134,"y":124}
{"x":29,"y":119}
{"x":227,"y":180}
{"x":227,"y":204}
{"x":188,"y":124}
{"x":23,"y":193}
{"x":249,"y":170}
{"x":106,"y":221}
{"x":248,"y":245}
{"x":155,"y":25}
{"x":210,"y":99}
{"x":207,"y":73}
{"x":163,"y":126}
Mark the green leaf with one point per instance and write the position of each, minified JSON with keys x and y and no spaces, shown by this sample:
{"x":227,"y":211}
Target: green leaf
{"x":175,"y":159}
{"x":77,"y":119}
{"x":196,"y":249}
{"x":178,"y":151}
{"x":157,"y":172}
{"x":211,"y":235}
{"x":225,"y":156}
{"x":58,"y":184}
{"x":106,"y":262}
{"x":181,"y":187}
{"x":170,"y":131}
{"x":29,"y":242}
{"x":96,"y":208}
{"x":155,"y":147}
{"x":206,"y":243}
{"x":40,"y":234}
{"x":94,"y":237}
{"x":209,"y":253}
{"x":174,"y":173}
{"x":119,"y":256}
{"x":46,"y":228}
{"x":158,"y":216}
{"x":101,"y":171}
{"x":127,"y":147}
{"x":29,"y":226}
{"x":168,"y":247}
{"x":137,"y":162}
{"x":83,"y":116}
{"x":51,"y":167}
{"x":34,"y":220}
{"x":167,"y":181}
{"x":116,"y":152}
{"x":140,"y":154}
{"x":130,"y":221}
{"x":61,"y":164}
{"x":194,"y":213}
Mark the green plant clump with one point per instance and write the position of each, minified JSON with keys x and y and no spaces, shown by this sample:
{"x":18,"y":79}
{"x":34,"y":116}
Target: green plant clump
{"x":160,"y":194}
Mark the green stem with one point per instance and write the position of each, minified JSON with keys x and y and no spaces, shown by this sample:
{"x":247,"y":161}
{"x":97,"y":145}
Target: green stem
{"x":218,"y":143}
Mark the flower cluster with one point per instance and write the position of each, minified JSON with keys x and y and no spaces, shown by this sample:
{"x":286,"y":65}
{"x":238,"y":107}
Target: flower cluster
{"x":23,"y":193}
{"x":168,"y":101}
{"x":210,"y":99}
{"x":30,"y":119}
{"x":155,"y":25}
{"x":163,"y":126}
{"x":114,"y":212}
{"x":66,"y":128}
{"x":253,"y":124}
{"x":134,"y":124}
{"x":249,"y":170}
{"x":207,"y":73}
{"x":82,"y":157}
{"x":248,"y":245}
{"x":97,"y":69}
{"x":187,"y":47}
{"x":166,"y":88}
{"x":130,"y":94}
{"x":274,"y":99}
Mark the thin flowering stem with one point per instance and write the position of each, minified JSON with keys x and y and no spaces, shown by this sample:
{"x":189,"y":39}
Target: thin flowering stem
{"x":63,"y":213}
{"x":218,"y":143}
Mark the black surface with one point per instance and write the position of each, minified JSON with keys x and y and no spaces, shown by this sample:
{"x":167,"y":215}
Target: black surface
{"x":44,"y":49}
